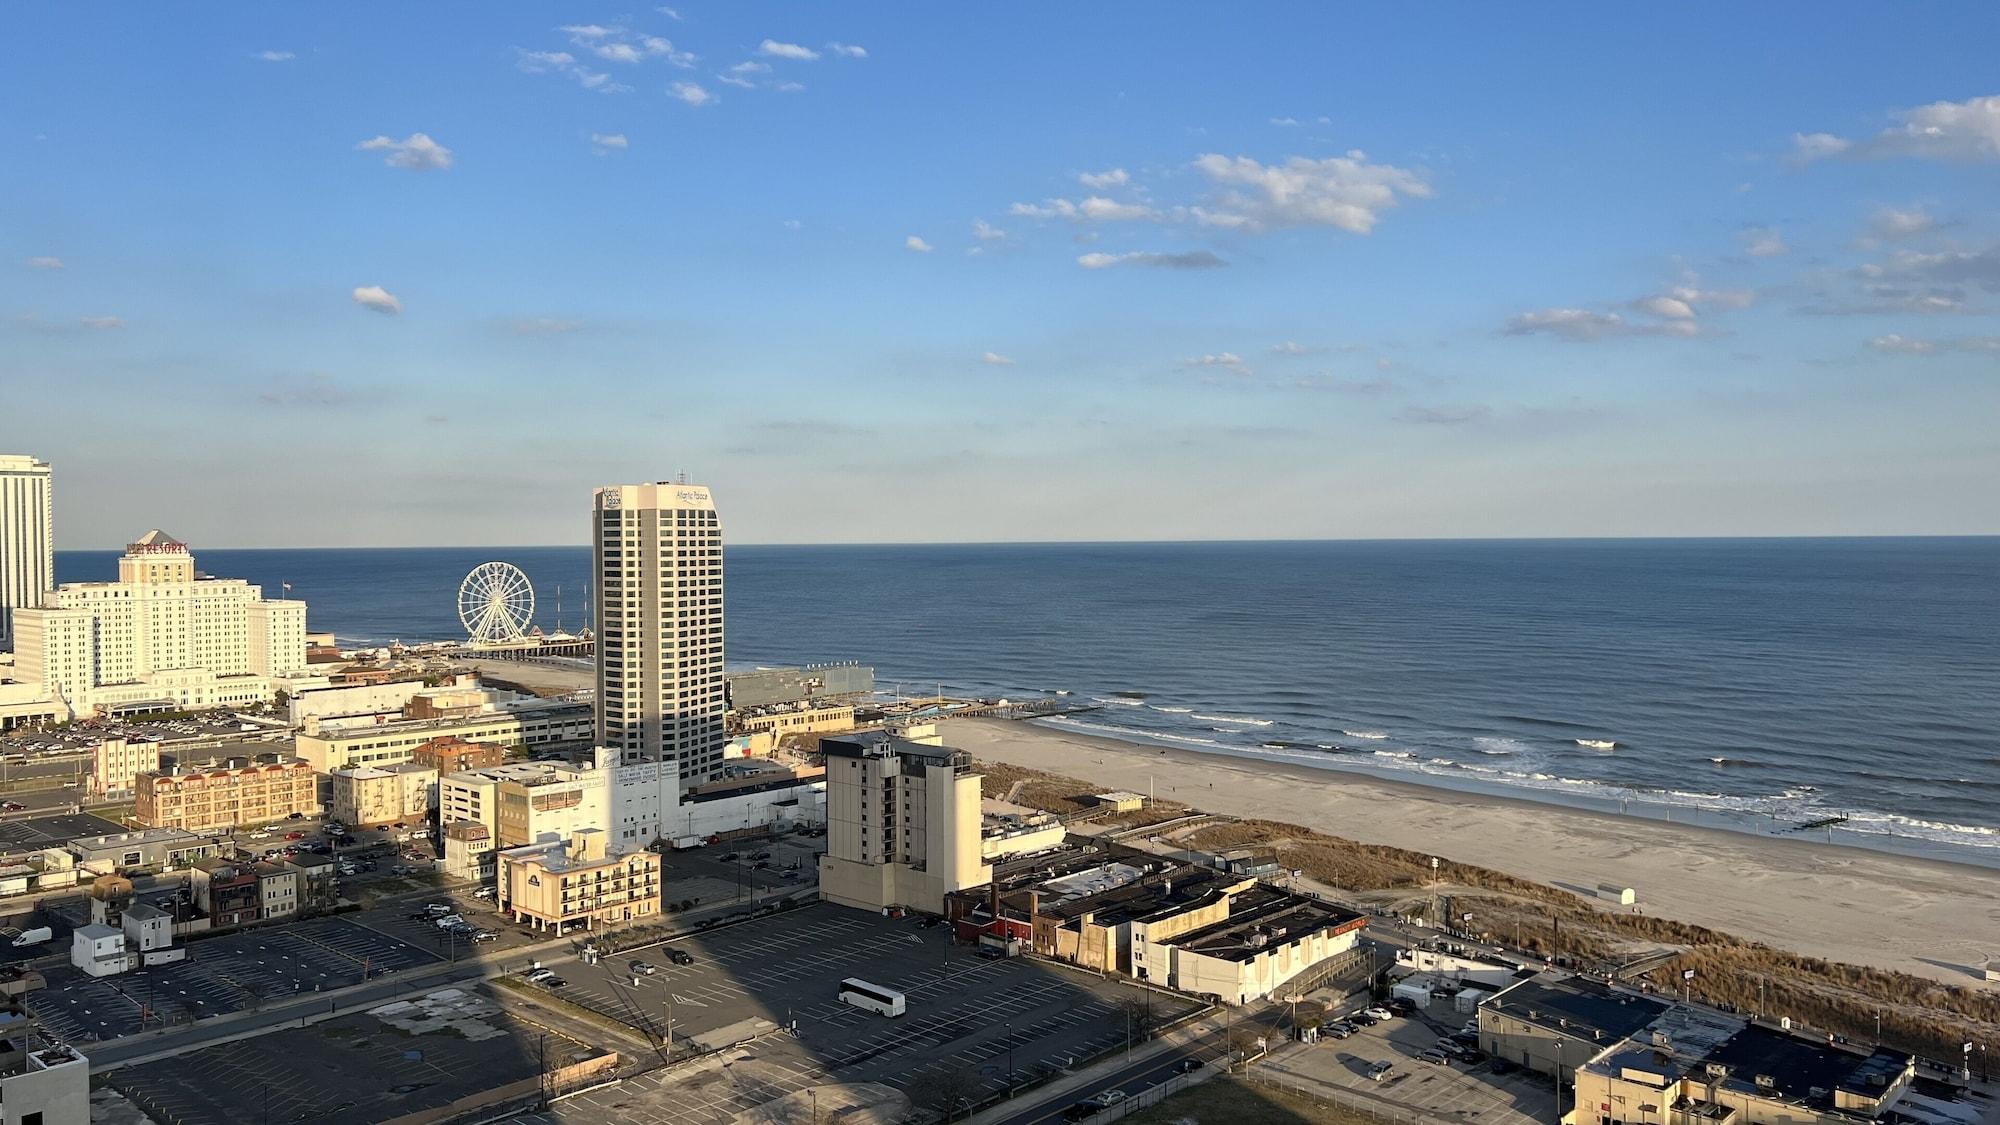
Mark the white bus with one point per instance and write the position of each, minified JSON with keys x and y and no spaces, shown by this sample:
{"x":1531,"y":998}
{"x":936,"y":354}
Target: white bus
{"x":872,"y":997}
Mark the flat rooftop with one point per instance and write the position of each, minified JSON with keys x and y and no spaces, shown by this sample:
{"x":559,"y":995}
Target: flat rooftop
{"x":1261,"y":918}
{"x":1804,"y":1070}
{"x":1577,"y":1006}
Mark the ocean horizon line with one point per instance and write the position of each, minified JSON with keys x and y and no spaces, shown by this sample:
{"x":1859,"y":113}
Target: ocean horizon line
{"x":1249,"y":541}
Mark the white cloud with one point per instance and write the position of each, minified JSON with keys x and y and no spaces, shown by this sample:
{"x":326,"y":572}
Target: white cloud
{"x":1096,"y":209}
{"x":1762,"y":242}
{"x":1718,"y":298}
{"x":45,"y":263}
{"x":793,"y":224}
{"x":1584,"y":325}
{"x":1227,"y":360}
{"x":670,"y":13}
{"x":587,"y":31}
{"x":790,"y":87}
{"x":1346,"y":192}
{"x":1950,"y":267}
{"x":1192,"y":260}
{"x":751,"y":67}
{"x":1672,"y":308}
{"x":377,"y":299}
{"x":777,"y":50}
{"x":276,"y":56}
{"x":1291,"y":347}
{"x":416,"y":152}
{"x":692,"y":93}
{"x":1285,"y":122}
{"x":847,"y":50}
{"x":1683,"y":301}
{"x":1895,"y":343}
{"x":1907,"y":345}
{"x":606,"y":143}
{"x":986,"y":232}
{"x":1817,"y":146}
{"x":657,"y":47}
{"x":1959,"y":131}
{"x":100,"y":322}
{"x":1098,"y":181}
{"x":1896,"y":222}
{"x":917,"y":244}
{"x":995,"y":359}
{"x":732,"y":80}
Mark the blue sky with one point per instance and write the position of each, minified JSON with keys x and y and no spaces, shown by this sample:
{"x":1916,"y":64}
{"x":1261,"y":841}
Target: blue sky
{"x":425,"y":274}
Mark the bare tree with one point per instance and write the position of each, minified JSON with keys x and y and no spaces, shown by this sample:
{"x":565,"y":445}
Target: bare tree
{"x":947,"y":1092}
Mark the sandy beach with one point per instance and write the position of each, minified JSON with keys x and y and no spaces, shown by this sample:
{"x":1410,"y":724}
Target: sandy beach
{"x":1929,"y":918}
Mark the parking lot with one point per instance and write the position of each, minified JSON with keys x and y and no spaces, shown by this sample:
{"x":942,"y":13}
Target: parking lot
{"x":51,"y":831}
{"x":386,"y":1063}
{"x":221,"y":974}
{"x":1454,"y":1090}
{"x":991,"y":1017}
{"x":703,"y":875}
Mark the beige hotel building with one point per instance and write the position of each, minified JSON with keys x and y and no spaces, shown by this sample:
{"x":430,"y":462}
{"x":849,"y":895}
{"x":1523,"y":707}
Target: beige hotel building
{"x":162,"y":633}
{"x":657,"y":555}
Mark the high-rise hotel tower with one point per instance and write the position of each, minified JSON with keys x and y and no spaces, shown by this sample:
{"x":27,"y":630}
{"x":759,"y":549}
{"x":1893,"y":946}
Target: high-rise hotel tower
{"x":657,"y":555}
{"x":27,"y":539}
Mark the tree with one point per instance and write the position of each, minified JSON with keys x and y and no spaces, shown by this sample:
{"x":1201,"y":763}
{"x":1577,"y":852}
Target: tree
{"x":1140,"y":1017}
{"x":947,"y":1092}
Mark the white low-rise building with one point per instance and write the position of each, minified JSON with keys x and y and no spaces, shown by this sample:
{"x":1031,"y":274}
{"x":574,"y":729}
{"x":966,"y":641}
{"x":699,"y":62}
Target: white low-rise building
{"x":513,"y":805}
{"x":751,"y":798}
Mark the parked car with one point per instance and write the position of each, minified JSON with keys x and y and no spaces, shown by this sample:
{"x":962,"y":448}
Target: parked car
{"x":1081,"y":1111}
{"x":1361,"y":1019}
{"x":437,"y":908}
{"x":485,"y":935}
{"x":483,"y":892}
{"x":260,"y":834}
{"x":727,"y":857}
{"x":12,"y":806}
{"x":553,"y":982}
{"x":643,"y":968}
{"x":448,"y":921}
{"x":1435,"y":1057}
{"x":1337,"y":1031}
{"x":1500,"y":1066}
{"x":1187,"y":1066}
{"x":1109,"y":1098}
{"x":761,"y":855}
{"x":677,"y":956}
{"x":1380,"y":1013}
{"x":539,"y":975}
{"x":296,"y":816}
{"x":1380,"y":1071}
{"x":295,"y":835}
{"x":992,"y":952}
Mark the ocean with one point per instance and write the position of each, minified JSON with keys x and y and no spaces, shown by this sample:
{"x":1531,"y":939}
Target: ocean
{"x":1762,"y":685}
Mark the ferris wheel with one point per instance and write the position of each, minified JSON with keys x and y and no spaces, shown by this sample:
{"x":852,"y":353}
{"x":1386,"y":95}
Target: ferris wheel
{"x":495,"y":604}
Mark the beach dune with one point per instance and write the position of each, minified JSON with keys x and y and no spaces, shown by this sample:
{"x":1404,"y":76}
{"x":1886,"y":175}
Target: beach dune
{"x":1929,"y":918}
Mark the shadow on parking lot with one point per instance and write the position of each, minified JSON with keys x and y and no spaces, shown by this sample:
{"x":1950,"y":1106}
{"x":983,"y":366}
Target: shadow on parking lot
{"x":972,"y":1027}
